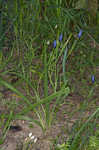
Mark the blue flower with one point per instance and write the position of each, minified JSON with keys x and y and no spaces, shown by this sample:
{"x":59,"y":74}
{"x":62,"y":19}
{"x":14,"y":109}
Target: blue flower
{"x":80,"y":33}
{"x":60,"y":37}
{"x":54,"y":44}
{"x":93,"y":78}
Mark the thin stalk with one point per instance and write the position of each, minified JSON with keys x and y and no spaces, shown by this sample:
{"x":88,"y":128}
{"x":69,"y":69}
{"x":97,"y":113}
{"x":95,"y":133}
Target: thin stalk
{"x":45,"y":73}
{"x":21,"y":18}
{"x":46,"y":84}
{"x":64,"y":66}
{"x":45,"y":100}
{"x":62,"y":50}
{"x":73,"y":46}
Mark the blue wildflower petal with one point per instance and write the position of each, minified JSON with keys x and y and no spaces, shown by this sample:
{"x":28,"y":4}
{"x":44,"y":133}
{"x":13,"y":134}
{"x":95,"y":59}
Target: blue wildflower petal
{"x":54,"y":44}
{"x":93,"y":78}
{"x":60,"y":37}
{"x":80,"y":33}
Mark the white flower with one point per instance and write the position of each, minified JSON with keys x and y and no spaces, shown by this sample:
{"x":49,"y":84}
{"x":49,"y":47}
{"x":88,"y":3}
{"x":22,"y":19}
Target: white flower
{"x":48,"y":42}
{"x":30,"y":134}
{"x":56,"y":26}
{"x":32,"y":137}
{"x":35,"y":140}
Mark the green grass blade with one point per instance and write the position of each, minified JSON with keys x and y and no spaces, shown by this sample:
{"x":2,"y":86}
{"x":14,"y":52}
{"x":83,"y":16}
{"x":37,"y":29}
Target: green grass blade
{"x":9,"y":86}
{"x":64,"y":65}
{"x":48,"y":99}
{"x":82,"y":128}
{"x":6,"y":127}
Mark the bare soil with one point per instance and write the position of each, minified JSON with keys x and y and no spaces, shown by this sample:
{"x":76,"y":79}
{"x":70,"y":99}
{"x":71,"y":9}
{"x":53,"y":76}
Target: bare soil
{"x":66,"y":116}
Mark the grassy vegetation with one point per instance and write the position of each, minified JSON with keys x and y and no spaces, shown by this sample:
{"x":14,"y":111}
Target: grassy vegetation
{"x":48,"y":50}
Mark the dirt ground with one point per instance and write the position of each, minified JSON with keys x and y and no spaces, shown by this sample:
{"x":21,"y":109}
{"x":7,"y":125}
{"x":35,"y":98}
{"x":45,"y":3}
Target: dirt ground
{"x":60,"y":129}
{"x":16,"y":140}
